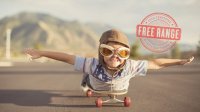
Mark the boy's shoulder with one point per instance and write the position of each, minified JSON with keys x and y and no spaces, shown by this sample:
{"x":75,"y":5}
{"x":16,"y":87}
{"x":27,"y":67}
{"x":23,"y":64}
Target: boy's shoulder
{"x":130,"y":63}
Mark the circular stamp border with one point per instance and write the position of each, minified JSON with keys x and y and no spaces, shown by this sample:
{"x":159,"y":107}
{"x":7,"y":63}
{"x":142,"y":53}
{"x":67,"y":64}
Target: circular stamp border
{"x":171,"y":23}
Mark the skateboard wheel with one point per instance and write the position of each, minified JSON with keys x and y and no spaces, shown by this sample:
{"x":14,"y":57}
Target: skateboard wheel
{"x":99,"y":102}
{"x":127,"y":101}
{"x":89,"y":93}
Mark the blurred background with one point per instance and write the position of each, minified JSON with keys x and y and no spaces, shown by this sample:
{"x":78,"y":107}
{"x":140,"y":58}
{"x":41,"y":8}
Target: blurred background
{"x":75,"y":26}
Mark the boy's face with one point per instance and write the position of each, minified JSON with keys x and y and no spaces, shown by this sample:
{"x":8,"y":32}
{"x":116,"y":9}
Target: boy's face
{"x":113,"y":61}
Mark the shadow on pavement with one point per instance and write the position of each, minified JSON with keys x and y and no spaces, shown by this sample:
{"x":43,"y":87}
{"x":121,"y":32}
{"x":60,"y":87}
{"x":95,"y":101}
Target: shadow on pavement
{"x":44,"y":98}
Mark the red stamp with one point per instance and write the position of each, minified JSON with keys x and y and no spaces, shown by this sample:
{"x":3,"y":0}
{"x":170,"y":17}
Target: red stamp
{"x":158,"y":32}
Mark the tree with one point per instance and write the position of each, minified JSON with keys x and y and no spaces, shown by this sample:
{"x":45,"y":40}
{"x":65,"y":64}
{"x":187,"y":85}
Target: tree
{"x":135,"y":50}
{"x":37,"y":46}
{"x":198,"y":49}
{"x":175,"y":52}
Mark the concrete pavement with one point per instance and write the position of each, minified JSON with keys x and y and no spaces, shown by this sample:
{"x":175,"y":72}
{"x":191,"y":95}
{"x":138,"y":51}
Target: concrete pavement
{"x":53,"y":87}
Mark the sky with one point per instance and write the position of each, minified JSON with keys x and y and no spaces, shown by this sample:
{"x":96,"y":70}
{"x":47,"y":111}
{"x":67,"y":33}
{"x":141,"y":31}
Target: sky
{"x":122,"y":14}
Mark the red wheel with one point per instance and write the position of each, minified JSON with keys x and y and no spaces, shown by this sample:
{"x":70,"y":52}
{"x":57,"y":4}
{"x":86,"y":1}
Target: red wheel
{"x":99,"y":102}
{"x":89,"y":93}
{"x":127,"y":101}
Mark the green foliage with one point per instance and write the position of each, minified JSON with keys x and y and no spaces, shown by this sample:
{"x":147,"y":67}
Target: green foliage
{"x":135,"y":50}
{"x":38,"y":46}
{"x":198,"y":49}
{"x":15,"y":54}
{"x":1,"y":53}
{"x":175,"y":52}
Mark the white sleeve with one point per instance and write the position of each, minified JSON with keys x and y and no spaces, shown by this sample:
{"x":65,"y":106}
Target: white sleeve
{"x":139,"y":67}
{"x":83,"y":64}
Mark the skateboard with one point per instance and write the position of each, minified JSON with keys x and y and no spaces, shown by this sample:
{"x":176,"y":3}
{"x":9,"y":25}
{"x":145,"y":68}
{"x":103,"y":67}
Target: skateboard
{"x":112,"y":97}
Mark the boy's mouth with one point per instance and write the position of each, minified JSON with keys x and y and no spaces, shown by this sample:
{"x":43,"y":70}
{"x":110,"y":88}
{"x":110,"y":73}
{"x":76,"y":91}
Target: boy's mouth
{"x":115,"y":59}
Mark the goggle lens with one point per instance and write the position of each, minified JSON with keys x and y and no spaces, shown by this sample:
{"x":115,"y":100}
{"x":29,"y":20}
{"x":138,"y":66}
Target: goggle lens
{"x":106,"y":51}
{"x":123,"y":53}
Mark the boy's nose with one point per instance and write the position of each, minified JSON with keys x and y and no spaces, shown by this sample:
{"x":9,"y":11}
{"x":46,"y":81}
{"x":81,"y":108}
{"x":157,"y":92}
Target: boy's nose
{"x":114,"y":55}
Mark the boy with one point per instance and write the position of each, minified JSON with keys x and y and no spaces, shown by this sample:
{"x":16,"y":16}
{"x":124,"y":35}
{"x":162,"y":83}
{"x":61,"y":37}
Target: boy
{"x":112,"y":70}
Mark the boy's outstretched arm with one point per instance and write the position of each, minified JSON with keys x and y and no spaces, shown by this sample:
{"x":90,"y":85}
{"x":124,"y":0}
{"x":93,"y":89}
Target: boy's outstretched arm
{"x":35,"y":54}
{"x":161,"y":63}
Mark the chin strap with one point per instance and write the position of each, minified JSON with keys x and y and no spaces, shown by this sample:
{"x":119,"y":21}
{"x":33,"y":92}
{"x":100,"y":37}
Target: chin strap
{"x":114,"y":68}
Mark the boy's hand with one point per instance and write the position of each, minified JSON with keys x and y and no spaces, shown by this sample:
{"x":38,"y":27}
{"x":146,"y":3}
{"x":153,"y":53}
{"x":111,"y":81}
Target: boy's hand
{"x":35,"y":54}
{"x":186,"y":61}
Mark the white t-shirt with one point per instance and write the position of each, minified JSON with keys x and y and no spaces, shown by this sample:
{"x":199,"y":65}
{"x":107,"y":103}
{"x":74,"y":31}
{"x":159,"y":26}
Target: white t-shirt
{"x":101,"y":80}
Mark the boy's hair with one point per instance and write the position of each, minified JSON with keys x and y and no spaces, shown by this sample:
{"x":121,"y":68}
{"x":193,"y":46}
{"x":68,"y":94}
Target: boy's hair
{"x":116,"y":36}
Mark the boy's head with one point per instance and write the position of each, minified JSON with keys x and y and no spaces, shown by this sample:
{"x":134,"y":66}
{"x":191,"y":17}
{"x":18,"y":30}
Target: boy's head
{"x":114,"y":49}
